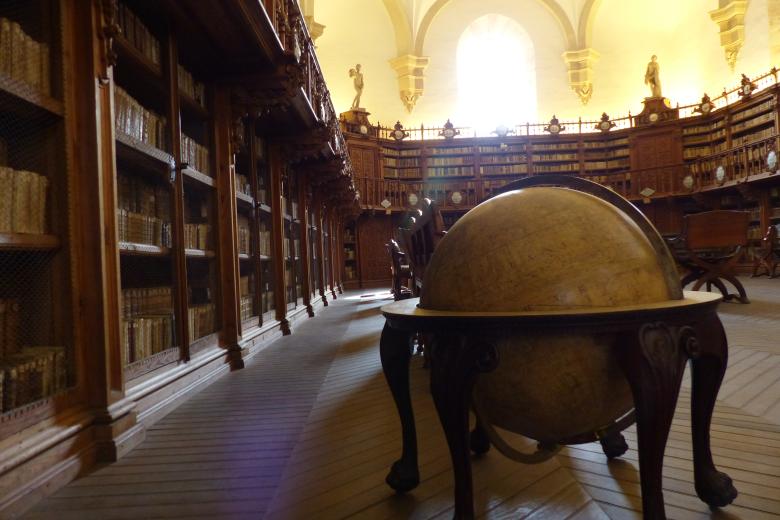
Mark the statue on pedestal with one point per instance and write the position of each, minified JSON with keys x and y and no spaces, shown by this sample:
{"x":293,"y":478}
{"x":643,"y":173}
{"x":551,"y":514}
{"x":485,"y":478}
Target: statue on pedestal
{"x":358,"y":84}
{"x":653,"y":77}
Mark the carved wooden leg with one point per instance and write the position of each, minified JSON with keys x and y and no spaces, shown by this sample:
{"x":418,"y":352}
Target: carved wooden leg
{"x":478,"y":440}
{"x":653,"y":364}
{"x":614,"y":445}
{"x":709,"y":351}
{"x":454,"y":365}
{"x":395,"y":349}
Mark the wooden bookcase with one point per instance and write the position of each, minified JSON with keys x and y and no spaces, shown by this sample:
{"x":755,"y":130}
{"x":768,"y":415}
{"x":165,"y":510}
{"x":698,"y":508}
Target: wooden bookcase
{"x":39,"y":371}
{"x":149,"y":250}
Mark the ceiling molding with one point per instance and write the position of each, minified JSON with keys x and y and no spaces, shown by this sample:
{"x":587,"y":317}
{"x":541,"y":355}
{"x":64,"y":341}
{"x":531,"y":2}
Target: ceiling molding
{"x":567,"y":29}
{"x":401,"y":25}
{"x":587,"y":19}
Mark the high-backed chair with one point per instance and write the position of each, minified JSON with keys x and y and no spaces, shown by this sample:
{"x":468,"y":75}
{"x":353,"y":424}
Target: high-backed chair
{"x":425,"y":229}
{"x":400,"y":271}
{"x":711,"y":244}
{"x":767,"y":258}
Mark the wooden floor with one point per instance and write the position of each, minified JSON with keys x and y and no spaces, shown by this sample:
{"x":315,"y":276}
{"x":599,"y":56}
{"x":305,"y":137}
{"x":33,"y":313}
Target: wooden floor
{"x":308,"y":431}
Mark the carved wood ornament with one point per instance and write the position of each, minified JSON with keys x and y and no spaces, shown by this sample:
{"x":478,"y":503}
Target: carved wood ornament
{"x":109,"y":29}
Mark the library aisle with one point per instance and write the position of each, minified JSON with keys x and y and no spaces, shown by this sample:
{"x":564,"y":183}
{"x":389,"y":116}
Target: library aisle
{"x":309,"y":429}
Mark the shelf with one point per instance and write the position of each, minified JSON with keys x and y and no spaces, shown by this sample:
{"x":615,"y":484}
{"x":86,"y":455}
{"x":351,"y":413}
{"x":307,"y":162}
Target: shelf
{"x":136,"y":59}
{"x":198,"y":253}
{"x":199,"y":178}
{"x":246,"y":199}
{"x":138,"y":151}
{"x":244,"y":256}
{"x":29,"y":242}
{"x":132,"y":248}
{"x":18,"y":90}
{"x":264,"y":207}
{"x":193,"y":107}
{"x":770,"y":122}
{"x":265,"y":258}
{"x":350,"y":243}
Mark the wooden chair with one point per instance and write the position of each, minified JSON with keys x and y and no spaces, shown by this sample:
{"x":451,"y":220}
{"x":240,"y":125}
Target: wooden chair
{"x":710,"y":247}
{"x":767,"y":258}
{"x":425,"y":229}
{"x":399,"y":270}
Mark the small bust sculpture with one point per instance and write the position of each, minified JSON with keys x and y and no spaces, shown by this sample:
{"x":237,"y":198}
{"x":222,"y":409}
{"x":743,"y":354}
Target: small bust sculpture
{"x":653,"y":77}
{"x":358,"y":84}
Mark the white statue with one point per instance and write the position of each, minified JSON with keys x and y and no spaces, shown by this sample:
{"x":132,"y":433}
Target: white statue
{"x":358,"y":83}
{"x":653,"y":77}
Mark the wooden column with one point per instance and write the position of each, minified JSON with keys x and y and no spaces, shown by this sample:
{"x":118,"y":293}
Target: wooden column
{"x":320,"y":246}
{"x":93,"y":201}
{"x":180,"y":299}
{"x":303,"y":217}
{"x":333,"y":244}
{"x":277,"y":235}
{"x":228,"y":227}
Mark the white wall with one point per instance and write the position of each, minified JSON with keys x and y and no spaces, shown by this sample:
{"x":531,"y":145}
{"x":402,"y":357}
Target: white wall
{"x":625,"y":32}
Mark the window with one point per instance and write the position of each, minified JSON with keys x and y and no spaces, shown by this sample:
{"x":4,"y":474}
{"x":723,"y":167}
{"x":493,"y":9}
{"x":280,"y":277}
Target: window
{"x":496,"y":72}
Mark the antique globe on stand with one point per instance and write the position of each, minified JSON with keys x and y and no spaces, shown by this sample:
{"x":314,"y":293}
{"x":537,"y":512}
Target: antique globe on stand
{"x":551,"y":250}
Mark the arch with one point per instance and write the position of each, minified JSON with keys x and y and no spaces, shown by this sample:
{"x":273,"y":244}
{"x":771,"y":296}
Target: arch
{"x":401,"y":26}
{"x":587,"y":18}
{"x":567,"y":29}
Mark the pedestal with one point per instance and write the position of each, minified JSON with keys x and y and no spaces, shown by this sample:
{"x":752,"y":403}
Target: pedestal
{"x":652,"y":347}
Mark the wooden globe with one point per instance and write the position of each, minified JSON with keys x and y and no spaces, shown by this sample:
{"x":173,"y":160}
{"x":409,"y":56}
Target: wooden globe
{"x":549,"y":250}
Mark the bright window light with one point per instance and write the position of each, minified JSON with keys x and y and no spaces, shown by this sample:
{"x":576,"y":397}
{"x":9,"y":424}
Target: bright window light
{"x":496,"y":75}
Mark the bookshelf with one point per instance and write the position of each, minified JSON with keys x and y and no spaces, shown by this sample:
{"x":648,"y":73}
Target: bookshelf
{"x":498,"y":160}
{"x":37,"y":350}
{"x":351,"y":273}
{"x":703,"y":138}
{"x":446,"y":162}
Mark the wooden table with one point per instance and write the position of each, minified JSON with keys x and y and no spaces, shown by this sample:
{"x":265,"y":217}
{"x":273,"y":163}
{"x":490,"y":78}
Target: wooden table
{"x":654,"y":343}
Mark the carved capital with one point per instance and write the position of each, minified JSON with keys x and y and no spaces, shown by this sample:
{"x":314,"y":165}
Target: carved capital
{"x":579,"y":64}
{"x":109,"y":29}
{"x":730,"y":17}
{"x":410,"y":69}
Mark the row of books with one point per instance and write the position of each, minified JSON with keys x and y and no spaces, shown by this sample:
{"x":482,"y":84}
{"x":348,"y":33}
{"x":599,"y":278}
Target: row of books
{"x":350,"y":272}
{"x":138,"y":195}
{"x":247,"y":306}
{"x":296,"y":248}
{"x":692,"y":130}
{"x":506,"y":158}
{"x":603,"y":165}
{"x":756,"y":121}
{"x":137,"y":34}
{"x":24,"y":59}
{"x":265,"y":242}
{"x":143,"y":229}
{"x":761,"y":107}
{"x":147,"y":300}
{"x":605,"y":144}
{"x":146,"y":335}
{"x":245,"y":284}
{"x":464,"y":171}
{"x":609,"y":154}
{"x":503,"y":169}
{"x":147,"y":322}
{"x":555,"y":157}
{"x":197,"y":236}
{"x":195,"y":155}
{"x":571,"y":167}
{"x":242,"y":185}
{"x":553,"y":146}
{"x":755,"y":136}
{"x":244,"y":239}
{"x":10,"y":318}
{"x":451,"y":150}
{"x":32,"y":374}
{"x":400,"y":163}
{"x":450,"y":161}
{"x":701,"y":151}
{"x":192,"y":87}
{"x":267,"y":300}
{"x":201,"y":320}
{"x":706,"y":138}
{"x":501,"y":148}
{"x":22,"y":201}
{"x":755,"y":233}
{"x":138,"y":122}
{"x":349,"y":253}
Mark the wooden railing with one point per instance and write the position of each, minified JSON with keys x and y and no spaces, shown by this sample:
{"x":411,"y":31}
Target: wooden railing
{"x":739,"y":164}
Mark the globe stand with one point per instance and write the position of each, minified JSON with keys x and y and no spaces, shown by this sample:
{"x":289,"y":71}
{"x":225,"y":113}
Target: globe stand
{"x":653,"y":344}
